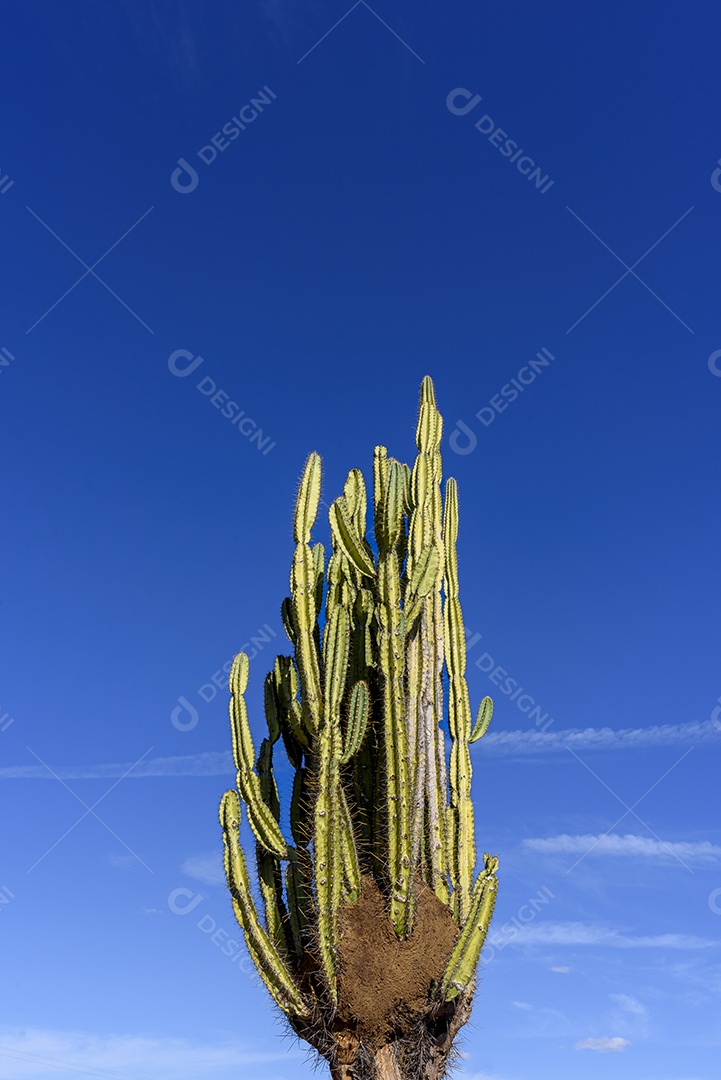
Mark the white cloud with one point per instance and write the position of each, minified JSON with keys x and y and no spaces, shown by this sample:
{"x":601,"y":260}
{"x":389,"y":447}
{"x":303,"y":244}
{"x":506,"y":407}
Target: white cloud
{"x":522,"y":743}
{"x":528,"y":742}
{"x":32,"y":1054}
{"x":521,"y":1005}
{"x":603,"y":1045}
{"x":124,"y":862}
{"x":629,"y":1004}
{"x":215,"y":763}
{"x":561,"y":970}
{"x":637,"y":846}
{"x":576,"y":933}
{"x":205,"y":868}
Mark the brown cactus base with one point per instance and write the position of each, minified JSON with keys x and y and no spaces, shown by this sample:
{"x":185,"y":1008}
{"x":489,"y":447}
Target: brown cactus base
{"x":389,"y":1024}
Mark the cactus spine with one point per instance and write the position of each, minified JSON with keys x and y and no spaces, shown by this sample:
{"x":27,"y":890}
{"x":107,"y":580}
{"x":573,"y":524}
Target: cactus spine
{"x":359,"y":709}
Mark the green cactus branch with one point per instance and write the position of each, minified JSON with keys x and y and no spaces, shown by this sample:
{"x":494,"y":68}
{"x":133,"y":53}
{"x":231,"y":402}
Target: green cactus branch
{"x":359,"y":710}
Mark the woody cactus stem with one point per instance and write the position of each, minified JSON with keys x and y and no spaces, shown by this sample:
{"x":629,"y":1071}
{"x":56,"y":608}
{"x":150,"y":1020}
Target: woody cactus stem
{"x":359,"y":709}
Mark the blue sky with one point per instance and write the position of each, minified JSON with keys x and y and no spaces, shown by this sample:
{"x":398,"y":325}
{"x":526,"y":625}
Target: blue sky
{"x":370,"y":223}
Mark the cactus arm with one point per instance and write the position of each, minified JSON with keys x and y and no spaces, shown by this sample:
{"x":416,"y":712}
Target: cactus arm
{"x":467,"y":950}
{"x":396,"y":751}
{"x":483,"y":719}
{"x":327,"y":843}
{"x":380,"y":472}
{"x":264,"y":825}
{"x":272,"y":712}
{"x":345,"y":535}
{"x":243,"y":751}
{"x":416,"y":744}
{"x":355,"y":494}
{"x":328,"y":860}
{"x":270,"y":878}
{"x":288,"y":710}
{"x":262,"y":949}
{"x":306,"y":506}
{"x":391,"y":649}
{"x":364,"y":756}
{"x":303,"y":590}
{"x":462,"y":841}
{"x":357,"y":726}
{"x":424,"y":573}
{"x":351,"y":867}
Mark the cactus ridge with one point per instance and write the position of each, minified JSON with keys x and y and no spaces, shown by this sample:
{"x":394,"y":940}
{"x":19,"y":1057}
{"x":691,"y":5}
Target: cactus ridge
{"x":375,"y":626}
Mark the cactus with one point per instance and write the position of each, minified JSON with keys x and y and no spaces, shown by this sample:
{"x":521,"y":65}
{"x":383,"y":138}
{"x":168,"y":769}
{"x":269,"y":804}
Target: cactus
{"x":382,"y":825}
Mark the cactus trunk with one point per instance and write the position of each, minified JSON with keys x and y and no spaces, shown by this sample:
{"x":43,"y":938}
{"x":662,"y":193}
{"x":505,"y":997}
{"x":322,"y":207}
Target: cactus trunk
{"x":373,"y":923}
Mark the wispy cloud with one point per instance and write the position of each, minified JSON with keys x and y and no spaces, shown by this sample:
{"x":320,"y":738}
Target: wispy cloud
{"x":500,"y":744}
{"x":31,"y":1054}
{"x":577,"y":933}
{"x":210,"y":763}
{"x":629,"y":1004}
{"x":205,"y":868}
{"x":531,"y":743}
{"x":561,"y":970}
{"x":612,"y":844}
{"x":123,"y":862}
{"x":603,"y":1045}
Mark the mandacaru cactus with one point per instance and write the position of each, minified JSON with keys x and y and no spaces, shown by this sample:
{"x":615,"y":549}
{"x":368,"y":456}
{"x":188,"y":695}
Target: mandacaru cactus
{"x":373,"y":924}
